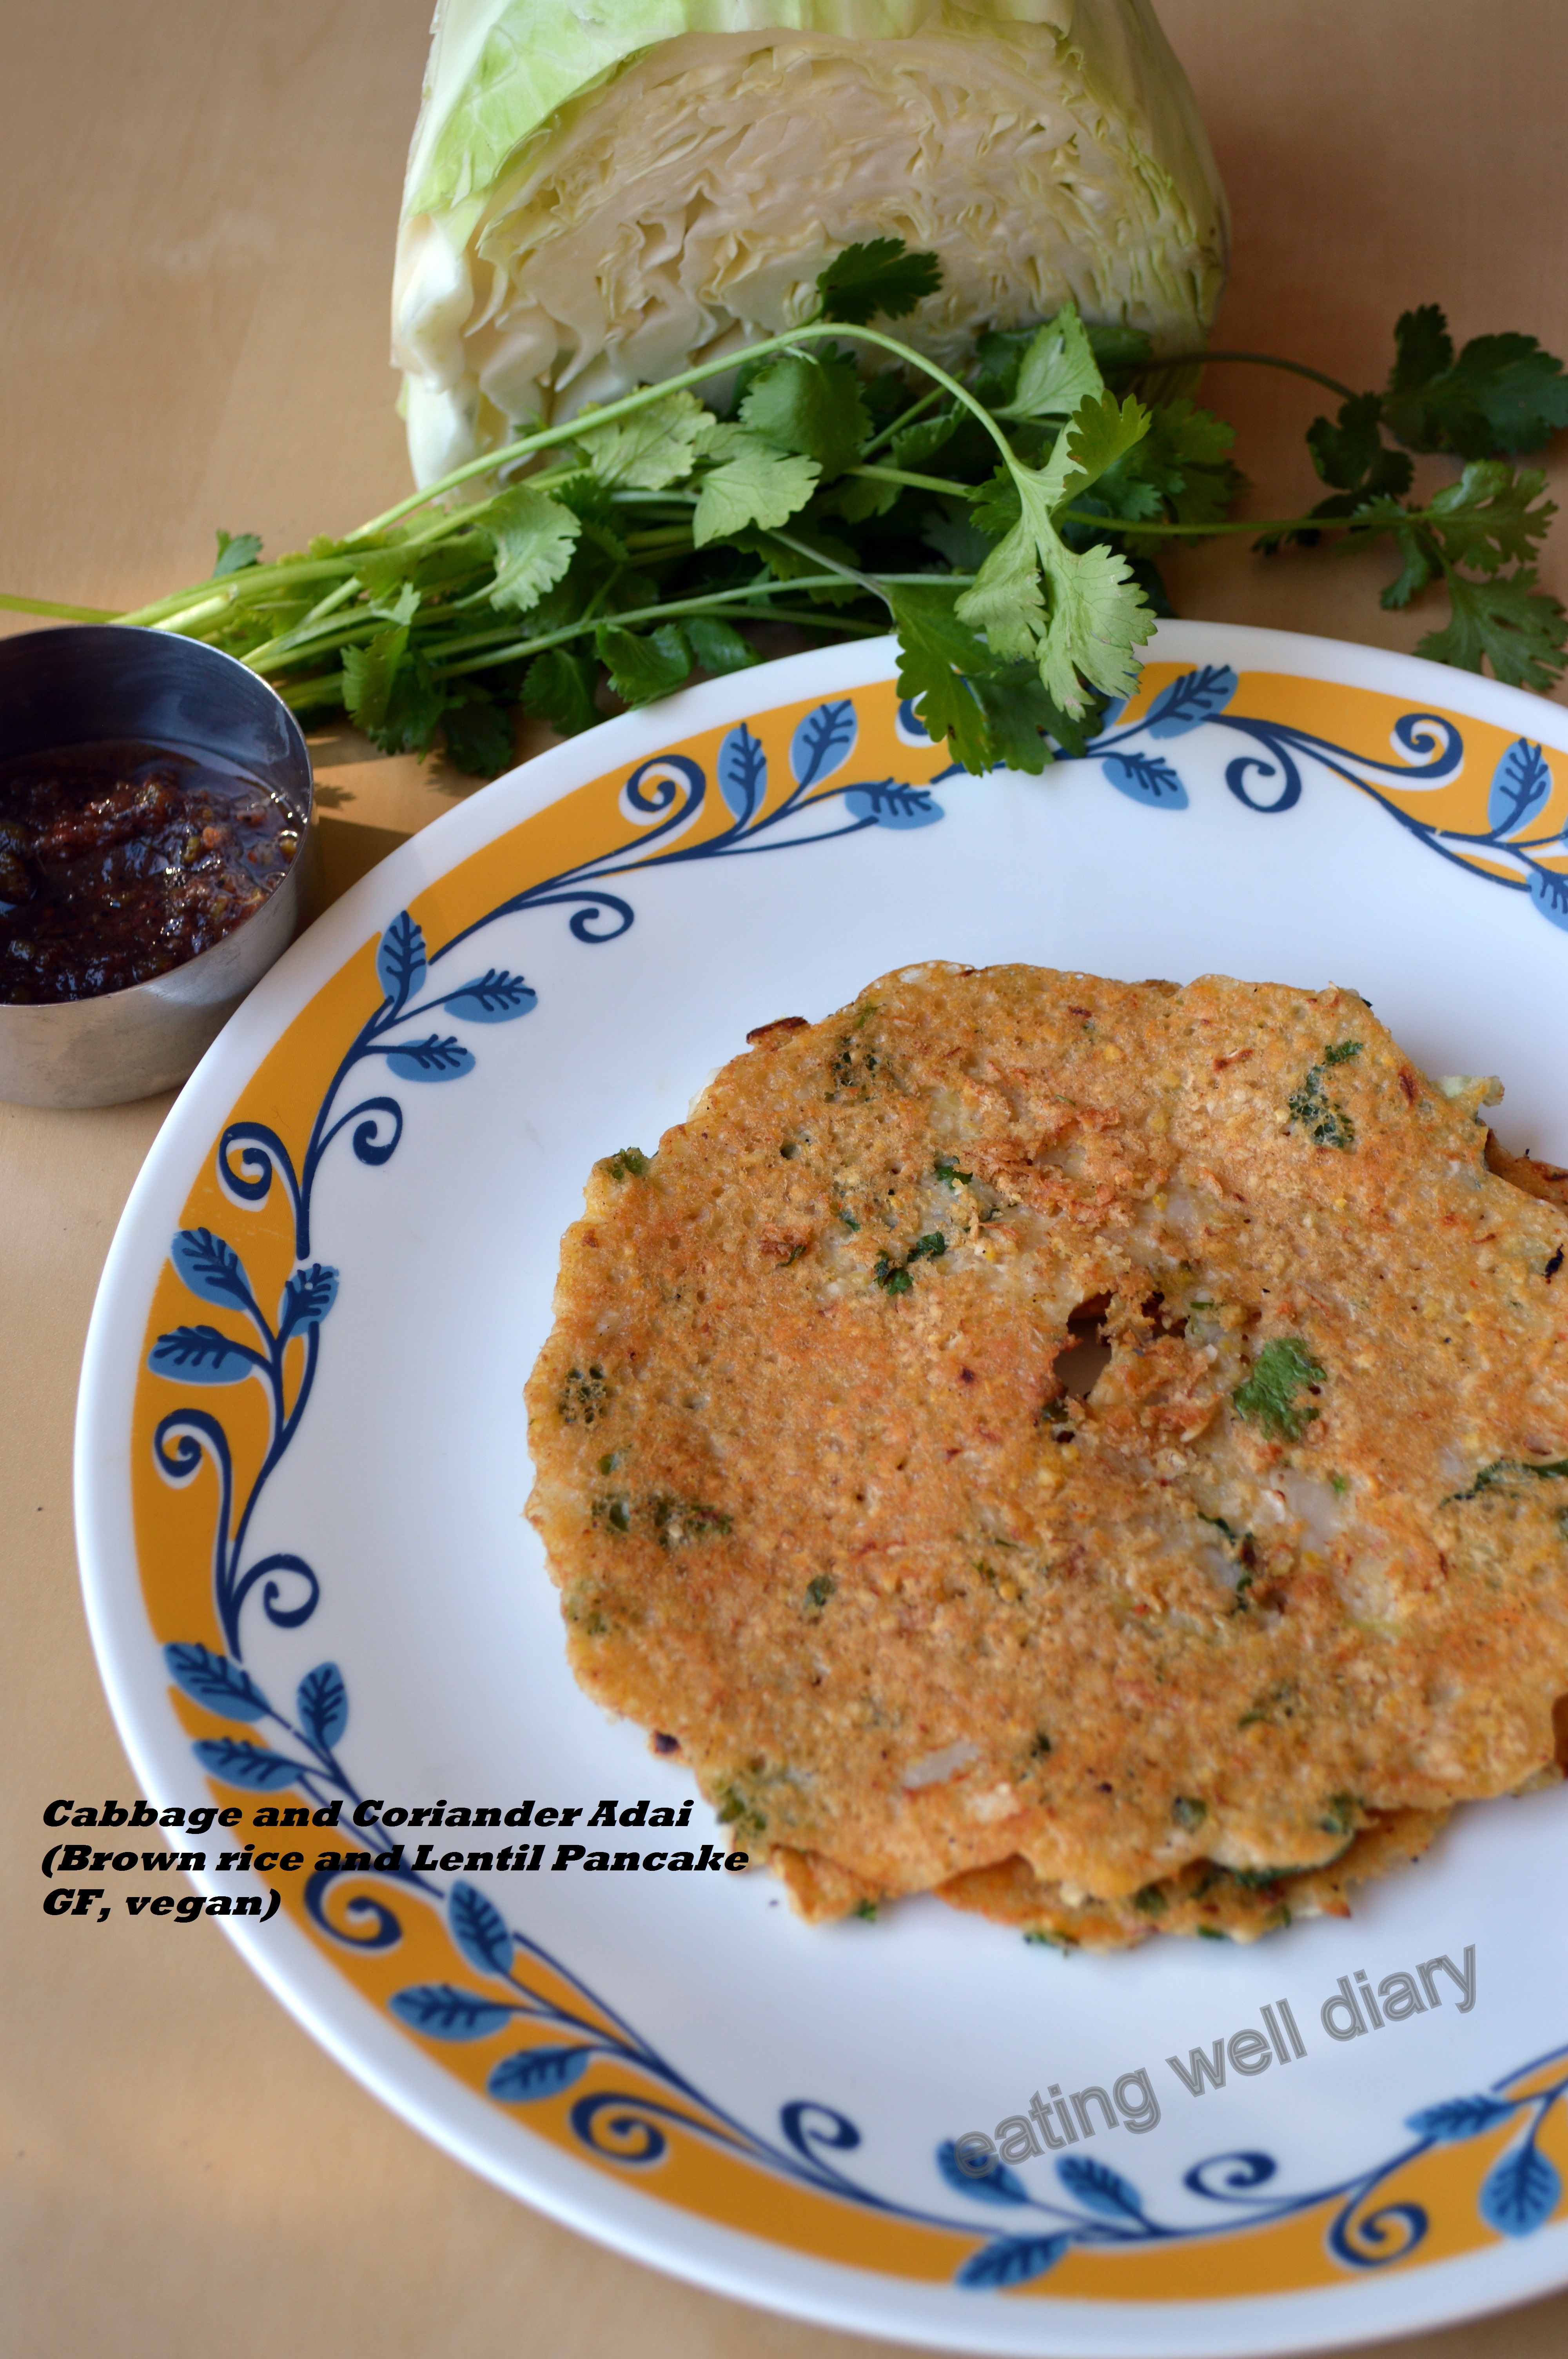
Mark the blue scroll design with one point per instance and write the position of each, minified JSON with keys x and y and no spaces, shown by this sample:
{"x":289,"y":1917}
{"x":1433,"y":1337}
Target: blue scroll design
{"x":1103,"y":2212}
{"x":1267,"y":777}
{"x":402,"y":1040}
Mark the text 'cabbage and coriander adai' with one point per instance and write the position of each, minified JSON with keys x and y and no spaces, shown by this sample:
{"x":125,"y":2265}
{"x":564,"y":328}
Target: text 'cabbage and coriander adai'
{"x":1095,"y":1450}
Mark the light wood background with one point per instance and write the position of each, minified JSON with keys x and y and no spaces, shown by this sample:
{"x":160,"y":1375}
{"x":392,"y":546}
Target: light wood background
{"x":198,"y":200}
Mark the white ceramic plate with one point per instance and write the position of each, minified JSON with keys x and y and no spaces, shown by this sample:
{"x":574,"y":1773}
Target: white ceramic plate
{"x":308,"y":1576}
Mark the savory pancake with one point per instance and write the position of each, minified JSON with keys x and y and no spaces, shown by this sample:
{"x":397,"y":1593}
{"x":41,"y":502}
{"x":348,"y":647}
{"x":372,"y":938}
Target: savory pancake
{"x":1072,"y":1438}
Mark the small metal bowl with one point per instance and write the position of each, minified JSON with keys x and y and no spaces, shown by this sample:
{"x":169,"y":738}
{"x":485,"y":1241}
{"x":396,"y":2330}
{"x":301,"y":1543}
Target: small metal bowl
{"x":93,"y":684}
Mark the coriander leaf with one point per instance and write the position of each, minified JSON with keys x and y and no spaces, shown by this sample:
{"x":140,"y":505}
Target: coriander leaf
{"x":858,"y":497}
{"x":1424,"y":349}
{"x":1521,"y":630}
{"x":479,"y":735}
{"x":880,"y":277}
{"x":953,"y":534}
{"x":996,"y":506}
{"x":1352,"y":455}
{"x":640,"y":665}
{"x":655,"y":447}
{"x":1057,"y":372}
{"x":915,"y":446}
{"x":1489,"y":517}
{"x":719,"y":645}
{"x":235,"y":552}
{"x":810,"y":403}
{"x":415,"y":708}
{"x":1118,"y":349}
{"x":1006,"y":602}
{"x":1503,"y":394}
{"x":1124,"y":495}
{"x":816,"y":552}
{"x":368,"y":675}
{"x":1152,"y":583}
{"x":1186,"y":459}
{"x":558,"y":688}
{"x":886,"y":394}
{"x":1018,"y":715}
{"x":1282,"y":1368}
{"x":755,"y":484}
{"x":1420,"y":558}
{"x":1015,"y":702}
{"x":533,"y":537}
{"x":608,"y":543}
{"x":401,"y":609}
{"x":379,"y":570}
{"x":1097,"y":614}
{"x":936,"y":651}
{"x":999,"y":354}
{"x":590,"y":501}
{"x":1519,"y":390}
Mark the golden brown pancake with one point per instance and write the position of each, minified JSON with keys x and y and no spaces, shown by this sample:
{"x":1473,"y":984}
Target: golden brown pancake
{"x":1060,"y":1441}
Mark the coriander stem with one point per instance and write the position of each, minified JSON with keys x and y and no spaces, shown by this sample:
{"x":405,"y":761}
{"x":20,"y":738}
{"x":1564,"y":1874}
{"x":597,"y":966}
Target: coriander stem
{"x":309,"y":626}
{"x":904,"y":417}
{"x":917,"y":483}
{"x":667,"y":611}
{"x":1259,"y":360}
{"x":46,"y":607}
{"x":1260,"y":524}
{"x":586,"y":421}
{"x":262,"y":578}
{"x":845,"y":572}
{"x":280,"y":655}
{"x":328,"y":687}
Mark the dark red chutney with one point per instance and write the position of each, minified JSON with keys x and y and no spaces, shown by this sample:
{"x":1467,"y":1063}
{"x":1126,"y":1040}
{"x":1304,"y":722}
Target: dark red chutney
{"x":118,"y":861}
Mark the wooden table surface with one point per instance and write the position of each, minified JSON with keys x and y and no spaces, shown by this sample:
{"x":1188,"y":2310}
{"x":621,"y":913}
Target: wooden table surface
{"x":198,"y":200}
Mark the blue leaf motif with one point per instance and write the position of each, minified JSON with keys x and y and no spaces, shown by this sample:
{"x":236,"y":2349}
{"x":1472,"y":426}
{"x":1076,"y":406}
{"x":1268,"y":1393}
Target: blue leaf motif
{"x":536,"y":2072}
{"x":1147,"y":779}
{"x":494,"y":997}
{"x":1522,"y":782}
{"x":995,"y":2184}
{"x":240,"y":1763}
{"x":742,"y":773}
{"x":305,"y":1299}
{"x":1187,"y":702}
{"x":200,"y":1355}
{"x":1101,"y":2188}
{"x":479,"y":1929}
{"x":400,"y":960}
{"x":890,"y":805}
{"x":442,"y":2012}
{"x":823,"y":743}
{"x":322,"y":1704}
{"x":1549,"y":891}
{"x":1520,"y":2193}
{"x":215,"y":1683}
{"x":1013,"y":2260}
{"x":431,"y":1061}
{"x":210,"y":1268}
{"x":1461,"y":2117}
{"x":911,"y":729}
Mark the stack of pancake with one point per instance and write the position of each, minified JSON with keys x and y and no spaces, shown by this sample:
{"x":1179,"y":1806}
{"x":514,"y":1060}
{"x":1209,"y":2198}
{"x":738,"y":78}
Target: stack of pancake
{"x":1098,"y":1451}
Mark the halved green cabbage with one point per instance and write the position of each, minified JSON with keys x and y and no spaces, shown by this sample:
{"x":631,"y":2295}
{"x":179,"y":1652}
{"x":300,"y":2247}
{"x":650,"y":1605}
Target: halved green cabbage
{"x":601,"y":192}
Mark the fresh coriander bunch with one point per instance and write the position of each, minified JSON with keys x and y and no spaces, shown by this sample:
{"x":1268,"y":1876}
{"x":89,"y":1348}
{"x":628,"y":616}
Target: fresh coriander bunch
{"x":1006,"y":525}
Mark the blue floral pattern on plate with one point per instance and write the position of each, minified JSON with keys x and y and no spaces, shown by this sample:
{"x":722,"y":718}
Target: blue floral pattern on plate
{"x":1096,"y":2207}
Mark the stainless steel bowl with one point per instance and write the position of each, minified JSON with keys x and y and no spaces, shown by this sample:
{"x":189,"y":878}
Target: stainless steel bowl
{"x":92,"y":684}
